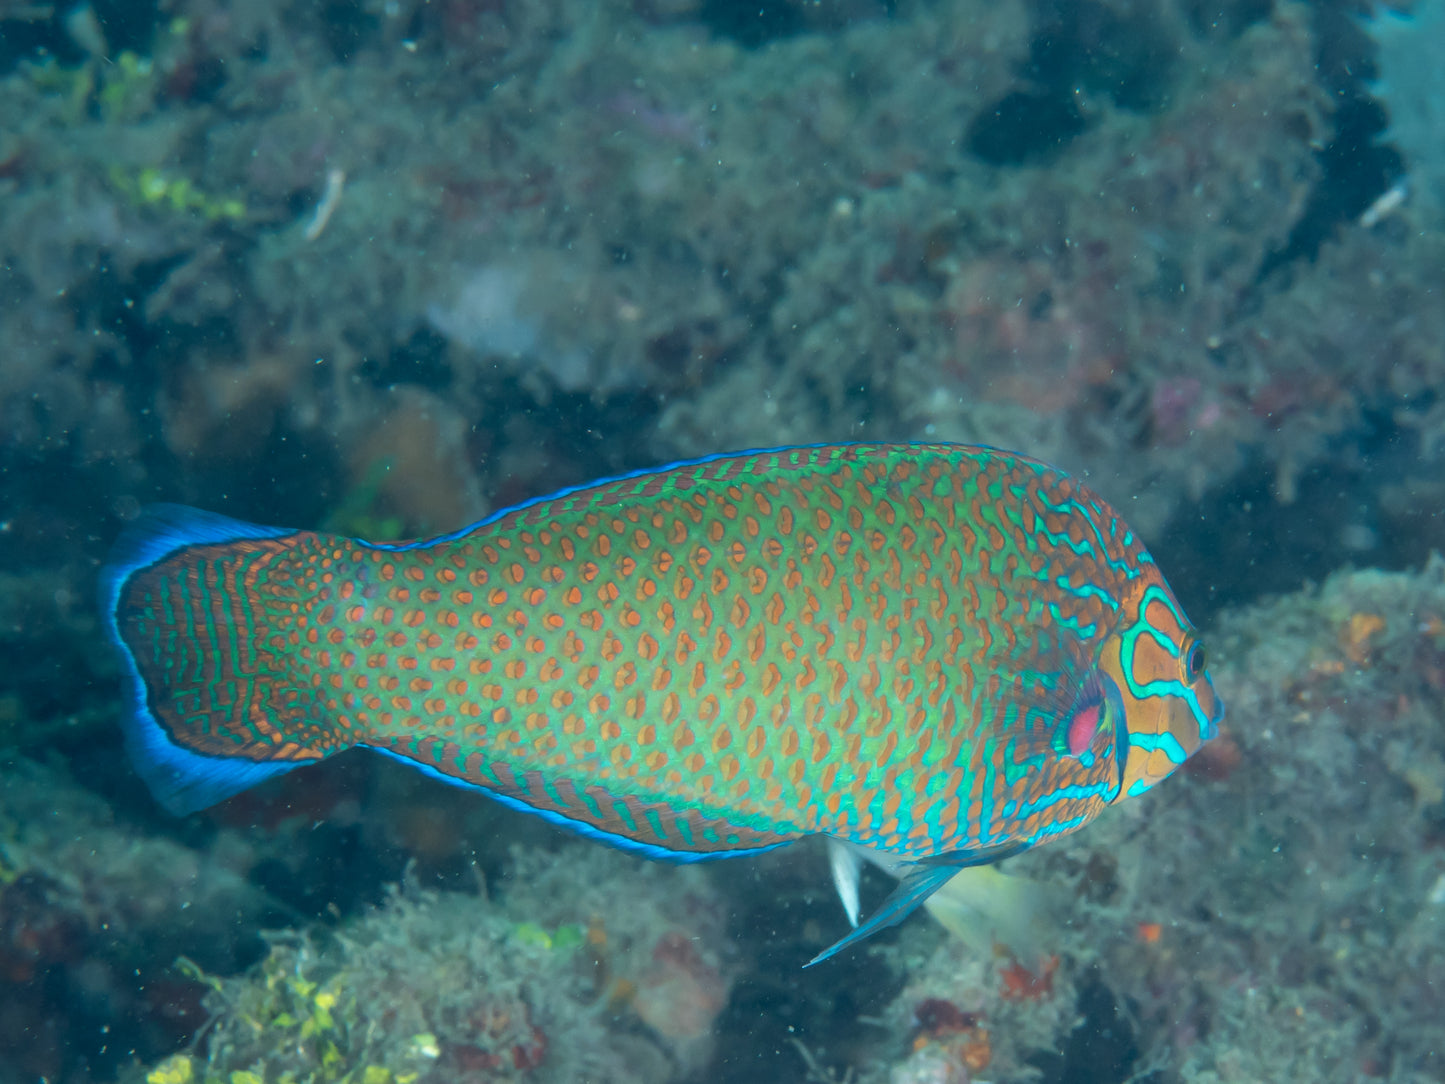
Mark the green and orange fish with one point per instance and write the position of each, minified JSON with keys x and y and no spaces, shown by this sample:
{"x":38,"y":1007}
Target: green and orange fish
{"x":943,"y":653}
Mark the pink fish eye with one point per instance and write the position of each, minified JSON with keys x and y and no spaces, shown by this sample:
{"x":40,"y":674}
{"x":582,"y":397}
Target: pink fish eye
{"x":1082,"y":728}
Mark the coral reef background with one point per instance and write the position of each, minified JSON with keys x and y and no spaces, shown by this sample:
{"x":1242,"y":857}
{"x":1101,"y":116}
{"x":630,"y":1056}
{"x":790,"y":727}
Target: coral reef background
{"x":386,"y":265}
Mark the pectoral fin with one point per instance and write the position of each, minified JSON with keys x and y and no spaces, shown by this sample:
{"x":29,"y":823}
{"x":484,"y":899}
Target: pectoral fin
{"x":919,"y":880}
{"x":917,"y":885}
{"x":845,"y":864}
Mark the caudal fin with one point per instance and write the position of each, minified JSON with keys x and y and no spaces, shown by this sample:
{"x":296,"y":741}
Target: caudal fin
{"x":185,"y":598}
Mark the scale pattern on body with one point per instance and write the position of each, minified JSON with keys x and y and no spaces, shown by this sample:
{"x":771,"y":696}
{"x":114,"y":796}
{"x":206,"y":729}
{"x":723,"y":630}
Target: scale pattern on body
{"x":932,"y":650}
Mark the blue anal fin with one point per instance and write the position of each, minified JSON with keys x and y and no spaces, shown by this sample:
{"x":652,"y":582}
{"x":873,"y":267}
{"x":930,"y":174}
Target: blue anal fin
{"x":572,"y":824}
{"x":917,"y":885}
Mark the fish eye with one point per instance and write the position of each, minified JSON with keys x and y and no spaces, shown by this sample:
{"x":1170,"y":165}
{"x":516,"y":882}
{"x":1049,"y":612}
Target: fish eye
{"x":1194,"y":660}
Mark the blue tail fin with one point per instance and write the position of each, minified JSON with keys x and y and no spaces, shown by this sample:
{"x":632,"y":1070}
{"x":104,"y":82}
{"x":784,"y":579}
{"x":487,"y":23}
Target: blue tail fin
{"x":181,"y":779}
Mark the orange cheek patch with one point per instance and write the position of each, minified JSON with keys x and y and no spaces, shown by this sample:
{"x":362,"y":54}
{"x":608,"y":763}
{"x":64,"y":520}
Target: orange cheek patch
{"x":1153,"y":663}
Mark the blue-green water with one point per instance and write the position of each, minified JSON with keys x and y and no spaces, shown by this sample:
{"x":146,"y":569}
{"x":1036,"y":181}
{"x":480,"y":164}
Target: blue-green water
{"x":386,"y":267}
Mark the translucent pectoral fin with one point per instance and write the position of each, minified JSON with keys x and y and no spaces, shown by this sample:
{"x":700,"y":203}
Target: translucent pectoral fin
{"x":845,"y":863}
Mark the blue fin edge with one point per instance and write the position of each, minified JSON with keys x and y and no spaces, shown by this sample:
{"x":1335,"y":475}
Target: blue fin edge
{"x":581,"y":828}
{"x":181,"y":780}
{"x":462,"y":532}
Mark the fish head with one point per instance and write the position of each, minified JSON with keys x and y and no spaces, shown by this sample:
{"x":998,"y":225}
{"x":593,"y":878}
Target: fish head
{"x":1154,"y":680}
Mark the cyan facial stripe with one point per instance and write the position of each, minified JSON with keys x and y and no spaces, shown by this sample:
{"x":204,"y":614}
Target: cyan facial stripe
{"x":1128,"y":643}
{"x":1156,"y":594}
{"x":1206,"y":724}
{"x":1139,"y":786}
{"x":1177,"y":690}
{"x":1143,"y":628}
{"x":1159,"y":688}
{"x":1165,"y":743}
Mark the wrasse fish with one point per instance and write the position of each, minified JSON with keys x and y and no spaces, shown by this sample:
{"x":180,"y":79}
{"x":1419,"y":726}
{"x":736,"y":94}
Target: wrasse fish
{"x":944,"y":653}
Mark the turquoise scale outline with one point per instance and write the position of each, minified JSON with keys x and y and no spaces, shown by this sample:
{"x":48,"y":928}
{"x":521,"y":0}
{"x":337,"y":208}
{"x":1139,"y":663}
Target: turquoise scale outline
{"x":1086,"y":591}
{"x":1080,"y":791}
{"x":1057,"y":828}
{"x":1085,"y":632}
